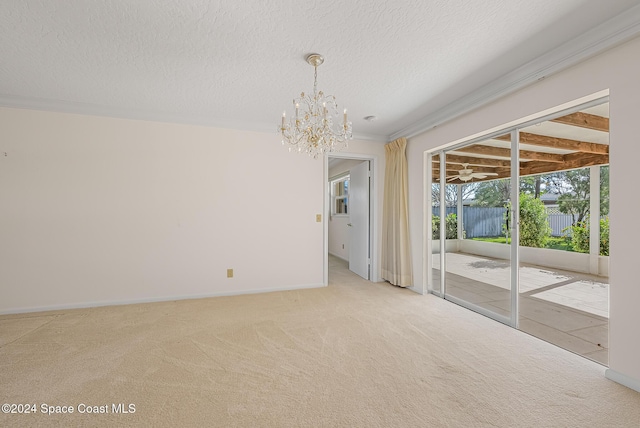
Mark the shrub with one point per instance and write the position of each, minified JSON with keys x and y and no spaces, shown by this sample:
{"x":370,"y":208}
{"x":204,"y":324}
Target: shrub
{"x":579,"y":233}
{"x":604,"y":236}
{"x":534,"y":224}
{"x":580,"y":236}
{"x":451,"y":225}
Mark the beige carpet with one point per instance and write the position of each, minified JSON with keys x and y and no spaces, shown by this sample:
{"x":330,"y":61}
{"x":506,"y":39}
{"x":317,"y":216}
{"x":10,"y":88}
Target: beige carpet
{"x":354,"y":354}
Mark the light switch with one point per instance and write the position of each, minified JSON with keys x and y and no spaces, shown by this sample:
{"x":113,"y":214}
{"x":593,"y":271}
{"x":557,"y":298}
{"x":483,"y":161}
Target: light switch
{"x":318,"y":218}
{"x":229,"y":273}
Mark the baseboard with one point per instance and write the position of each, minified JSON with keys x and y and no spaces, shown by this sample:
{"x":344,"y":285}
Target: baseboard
{"x":622,"y":379}
{"x":154,"y":300}
{"x":336,"y":255}
{"x":416,"y":290}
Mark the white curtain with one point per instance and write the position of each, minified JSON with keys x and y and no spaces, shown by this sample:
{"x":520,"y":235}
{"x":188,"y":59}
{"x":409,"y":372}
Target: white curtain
{"x":396,"y":248}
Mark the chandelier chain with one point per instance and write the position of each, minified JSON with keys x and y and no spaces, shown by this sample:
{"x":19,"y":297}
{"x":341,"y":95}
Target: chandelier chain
{"x":315,"y":80}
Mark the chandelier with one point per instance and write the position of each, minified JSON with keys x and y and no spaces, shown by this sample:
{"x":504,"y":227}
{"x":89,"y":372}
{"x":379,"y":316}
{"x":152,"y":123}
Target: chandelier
{"x":311,"y":130}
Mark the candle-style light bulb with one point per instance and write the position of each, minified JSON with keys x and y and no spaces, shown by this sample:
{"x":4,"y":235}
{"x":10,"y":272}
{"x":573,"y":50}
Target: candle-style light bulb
{"x":284,"y":115}
{"x":345,"y":116}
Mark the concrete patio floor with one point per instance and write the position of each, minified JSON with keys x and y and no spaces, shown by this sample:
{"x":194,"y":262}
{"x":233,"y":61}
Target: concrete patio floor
{"x":568,"y":309}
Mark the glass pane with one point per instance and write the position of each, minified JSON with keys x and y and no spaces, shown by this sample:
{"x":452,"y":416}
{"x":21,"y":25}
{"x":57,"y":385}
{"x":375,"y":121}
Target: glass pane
{"x":435,"y":246}
{"x":341,"y":205}
{"x":478,"y":269}
{"x":564,"y":285}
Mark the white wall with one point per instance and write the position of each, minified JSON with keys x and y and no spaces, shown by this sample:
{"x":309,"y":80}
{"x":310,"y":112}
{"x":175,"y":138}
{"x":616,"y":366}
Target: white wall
{"x":617,"y":70}
{"x":558,"y":259}
{"x":343,"y":166}
{"x":100,"y":210}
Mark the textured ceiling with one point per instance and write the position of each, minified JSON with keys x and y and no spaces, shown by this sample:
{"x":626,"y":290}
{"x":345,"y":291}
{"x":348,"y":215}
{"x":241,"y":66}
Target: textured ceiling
{"x":238,"y":64}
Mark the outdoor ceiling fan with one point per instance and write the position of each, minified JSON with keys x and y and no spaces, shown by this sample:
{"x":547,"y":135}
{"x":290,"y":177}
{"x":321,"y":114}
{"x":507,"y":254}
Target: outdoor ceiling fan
{"x":467,"y":174}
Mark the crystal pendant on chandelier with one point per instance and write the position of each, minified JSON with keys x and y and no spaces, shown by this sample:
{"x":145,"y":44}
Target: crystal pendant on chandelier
{"x":311,"y":130}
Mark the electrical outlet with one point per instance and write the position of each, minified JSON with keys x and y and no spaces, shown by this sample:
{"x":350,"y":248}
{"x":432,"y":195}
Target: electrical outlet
{"x":229,"y":273}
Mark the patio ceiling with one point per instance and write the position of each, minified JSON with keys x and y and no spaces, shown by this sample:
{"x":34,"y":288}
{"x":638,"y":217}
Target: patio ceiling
{"x":573,"y":141}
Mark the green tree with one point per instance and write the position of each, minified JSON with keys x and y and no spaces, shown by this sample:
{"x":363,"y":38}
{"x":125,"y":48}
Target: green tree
{"x":574,"y":189}
{"x":451,"y":195}
{"x":495,"y":193}
{"x":604,"y":192}
{"x":531,"y":185}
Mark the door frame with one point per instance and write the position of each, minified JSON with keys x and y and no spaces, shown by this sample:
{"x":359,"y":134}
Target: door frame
{"x":373,"y":210}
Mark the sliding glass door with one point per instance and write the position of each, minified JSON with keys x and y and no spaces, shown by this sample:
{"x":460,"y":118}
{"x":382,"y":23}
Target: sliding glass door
{"x":474,"y":223}
{"x":484,"y":219}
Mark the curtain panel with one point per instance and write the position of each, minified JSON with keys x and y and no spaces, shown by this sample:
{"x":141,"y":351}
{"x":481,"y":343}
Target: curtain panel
{"x":396,"y":247}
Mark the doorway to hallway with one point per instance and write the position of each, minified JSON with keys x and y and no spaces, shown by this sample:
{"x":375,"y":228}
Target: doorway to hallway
{"x":349,"y":212}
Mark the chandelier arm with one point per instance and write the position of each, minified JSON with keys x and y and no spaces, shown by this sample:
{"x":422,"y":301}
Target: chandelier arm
{"x":309,"y":103}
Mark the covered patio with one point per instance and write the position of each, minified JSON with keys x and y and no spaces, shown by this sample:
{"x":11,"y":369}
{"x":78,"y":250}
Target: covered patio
{"x":568,"y":309}
{"x":563,"y":297}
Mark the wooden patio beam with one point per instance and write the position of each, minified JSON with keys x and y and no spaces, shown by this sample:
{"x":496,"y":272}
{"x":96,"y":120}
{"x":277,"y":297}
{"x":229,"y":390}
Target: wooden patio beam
{"x":456,"y":167}
{"x":585,"y":120}
{"x":475,"y":161}
{"x":572,"y":161}
{"x":506,"y":153}
{"x":559,"y":143}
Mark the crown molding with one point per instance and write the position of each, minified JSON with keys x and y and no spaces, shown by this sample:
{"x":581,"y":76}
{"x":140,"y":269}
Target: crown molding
{"x":72,"y":107}
{"x":607,"y":35}
{"x":370,"y":137}
{"x":89,"y":109}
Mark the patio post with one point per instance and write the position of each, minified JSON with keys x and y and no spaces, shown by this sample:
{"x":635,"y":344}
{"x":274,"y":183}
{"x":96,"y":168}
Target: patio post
{"x":443,"y":223}
{"x":594,"y":219}
{"x":460,"y":213}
